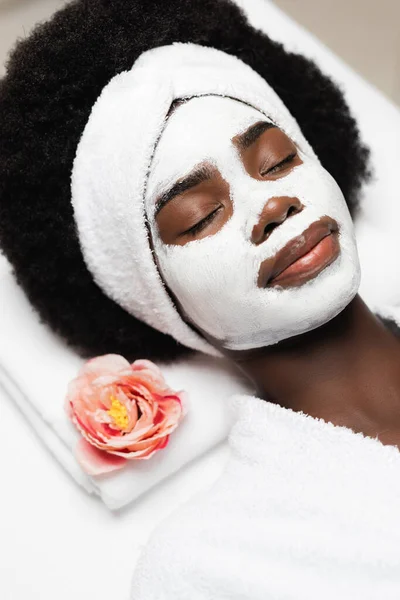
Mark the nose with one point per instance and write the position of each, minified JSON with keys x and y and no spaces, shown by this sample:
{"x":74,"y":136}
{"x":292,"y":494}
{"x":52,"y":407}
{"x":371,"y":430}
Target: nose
{"x":276,"y":211}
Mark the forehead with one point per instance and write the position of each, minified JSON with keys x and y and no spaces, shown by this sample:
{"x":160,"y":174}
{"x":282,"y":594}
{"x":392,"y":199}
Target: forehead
{"x":208,"y":115}
{"x":198,"y":130}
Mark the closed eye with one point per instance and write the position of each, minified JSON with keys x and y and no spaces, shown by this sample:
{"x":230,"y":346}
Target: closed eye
{"x":278,"y":166}
{"x":201,"y":224}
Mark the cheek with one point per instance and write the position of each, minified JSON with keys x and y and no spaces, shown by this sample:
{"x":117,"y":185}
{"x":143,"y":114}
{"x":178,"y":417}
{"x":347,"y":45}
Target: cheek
{"x":201,"y":268}
{"x":332,"y":202}
{"x":210,"y":280}
{"x":320,"y":190}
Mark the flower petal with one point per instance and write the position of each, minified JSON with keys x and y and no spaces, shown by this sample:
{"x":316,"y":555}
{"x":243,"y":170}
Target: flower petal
{"x":153,"y":371}
{"x":97,"y":462}
{"x":104,"y":365}
{"x":145,"y":452}
{"x":185,"y":401}
{"x":143,"y":363}
{"x":172,"y":409}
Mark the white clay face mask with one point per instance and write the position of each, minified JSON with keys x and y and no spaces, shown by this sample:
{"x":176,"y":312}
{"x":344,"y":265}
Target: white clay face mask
{"x":215,"y":279}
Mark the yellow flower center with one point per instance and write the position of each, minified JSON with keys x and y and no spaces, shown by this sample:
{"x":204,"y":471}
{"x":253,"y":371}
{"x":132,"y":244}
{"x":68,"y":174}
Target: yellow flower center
{"x":118,"y":413}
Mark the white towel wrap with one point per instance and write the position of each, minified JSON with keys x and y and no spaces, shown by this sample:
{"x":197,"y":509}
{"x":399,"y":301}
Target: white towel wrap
{"x":113,"y":159}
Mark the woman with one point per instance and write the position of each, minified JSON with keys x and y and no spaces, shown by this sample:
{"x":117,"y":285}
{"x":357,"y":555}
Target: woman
{"x":200,"y":216}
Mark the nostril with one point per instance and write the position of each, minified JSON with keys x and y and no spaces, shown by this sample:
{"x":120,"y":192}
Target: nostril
{"x":269,"y":227}
{"x":275,"y":212}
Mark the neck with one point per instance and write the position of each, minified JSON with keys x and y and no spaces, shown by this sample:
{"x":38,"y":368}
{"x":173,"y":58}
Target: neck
{"x":346,"y":371}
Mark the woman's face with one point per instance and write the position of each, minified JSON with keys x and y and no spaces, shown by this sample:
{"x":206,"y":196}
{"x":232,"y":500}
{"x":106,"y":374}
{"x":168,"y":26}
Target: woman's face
{"x":233,"y":204}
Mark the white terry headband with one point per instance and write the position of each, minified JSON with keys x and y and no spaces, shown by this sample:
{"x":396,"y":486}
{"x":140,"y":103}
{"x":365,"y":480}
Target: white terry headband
{"x":113,"y":159}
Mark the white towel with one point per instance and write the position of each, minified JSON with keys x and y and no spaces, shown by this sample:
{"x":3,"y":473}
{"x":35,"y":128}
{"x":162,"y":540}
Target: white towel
{"x":303,"y":510}
{"x":35,"y":368}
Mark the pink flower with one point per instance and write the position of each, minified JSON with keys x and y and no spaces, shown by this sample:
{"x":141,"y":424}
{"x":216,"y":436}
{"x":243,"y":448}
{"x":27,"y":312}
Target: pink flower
{"x":123,"y":411}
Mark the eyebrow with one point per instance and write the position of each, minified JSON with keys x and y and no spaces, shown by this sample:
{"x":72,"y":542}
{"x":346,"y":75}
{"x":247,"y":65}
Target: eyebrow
{"x":251,"y":135}
{"x":201,"y":173}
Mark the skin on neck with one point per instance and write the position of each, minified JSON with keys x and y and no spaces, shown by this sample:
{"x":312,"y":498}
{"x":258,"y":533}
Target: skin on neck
{"x":346,"y":371}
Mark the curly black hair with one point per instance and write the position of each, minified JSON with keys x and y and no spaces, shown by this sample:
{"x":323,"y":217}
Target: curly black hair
{"x":54,"y":77}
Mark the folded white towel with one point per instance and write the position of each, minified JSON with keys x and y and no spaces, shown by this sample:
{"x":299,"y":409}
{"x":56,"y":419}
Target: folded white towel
{"x":35,"y":368}
{"x":303,"y":510}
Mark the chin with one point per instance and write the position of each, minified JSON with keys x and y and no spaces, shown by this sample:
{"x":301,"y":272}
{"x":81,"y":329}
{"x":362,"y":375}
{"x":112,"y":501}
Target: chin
{"x":337,"y":302}
{"x":324,"y":297}
{"x":293,"y":311}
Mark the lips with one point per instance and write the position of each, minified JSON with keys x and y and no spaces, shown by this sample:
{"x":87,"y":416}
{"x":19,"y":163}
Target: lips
{"x":303,"y":257}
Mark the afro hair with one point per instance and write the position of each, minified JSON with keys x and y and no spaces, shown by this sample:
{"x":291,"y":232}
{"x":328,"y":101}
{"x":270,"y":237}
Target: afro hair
{"x":53,"y":79}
